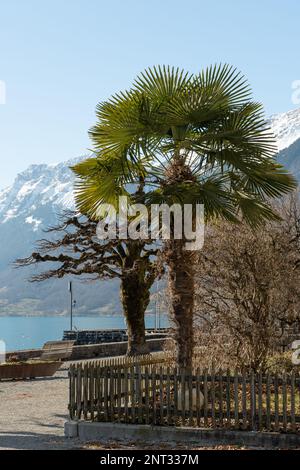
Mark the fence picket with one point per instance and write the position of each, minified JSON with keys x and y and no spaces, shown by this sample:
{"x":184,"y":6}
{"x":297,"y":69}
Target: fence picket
{"x":276,"y":401}
{"x":220,"y":380}
{"x":205,"y":393}
{"x":85,"y":391}
{"x":139,"y":392}
{"x":268,"y":402}
{"x":260,"y":402}
{"x":78,"y":390}
{"x":293,"y":420}
{"x":99,"y":393}
{"x":72,"y":395}
{"x":119,"y":393}
{"x":112,"y":391}
{"x":252,"y":401}
{"x":175,"y":392}
{"x":198,"y":403}
{"x":236,"y":400}
{"x":168,"y":396}
{"x":126,"y":392}
{"x":228,"y":399}
{"x":105,"y":377}
{"x":147,"y":393}
{"x":213,"y":397}
{"x":244,"y":399}
{"x":91,"y":392}
{"x":284,"y":401}
{"x":182,"y":392}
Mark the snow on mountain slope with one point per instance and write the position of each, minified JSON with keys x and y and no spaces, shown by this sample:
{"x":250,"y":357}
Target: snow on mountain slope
{"x":35,"y":187}
{"x":42,"y":184}
{"x":27,"y":207}
{"x":286,"y":127}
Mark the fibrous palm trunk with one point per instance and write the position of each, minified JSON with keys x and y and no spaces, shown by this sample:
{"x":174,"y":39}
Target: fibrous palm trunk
{"x":181,"y":277}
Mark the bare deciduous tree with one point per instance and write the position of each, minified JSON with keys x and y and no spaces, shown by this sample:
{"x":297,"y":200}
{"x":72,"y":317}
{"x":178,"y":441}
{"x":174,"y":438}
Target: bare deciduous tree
{"x":248,"y":289}
{"x":77,"y":251}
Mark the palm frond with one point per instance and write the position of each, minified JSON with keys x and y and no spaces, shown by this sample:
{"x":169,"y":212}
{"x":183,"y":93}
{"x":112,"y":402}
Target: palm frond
{"x":254,"y":211}
{"x":210,"y":121}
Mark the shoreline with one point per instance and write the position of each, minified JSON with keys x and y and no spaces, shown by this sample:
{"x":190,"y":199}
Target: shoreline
{"x":80,"y":315}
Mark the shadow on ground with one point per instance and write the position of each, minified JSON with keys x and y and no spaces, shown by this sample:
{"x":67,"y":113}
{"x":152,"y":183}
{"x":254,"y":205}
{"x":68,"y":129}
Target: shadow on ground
{"x":36,"y":441}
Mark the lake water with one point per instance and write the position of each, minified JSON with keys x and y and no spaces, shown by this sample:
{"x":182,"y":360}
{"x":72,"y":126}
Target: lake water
{"x":33,"y":332}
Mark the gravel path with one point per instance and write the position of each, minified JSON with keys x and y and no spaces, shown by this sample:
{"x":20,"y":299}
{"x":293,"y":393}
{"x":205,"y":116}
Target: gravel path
{"x":33,"y":412}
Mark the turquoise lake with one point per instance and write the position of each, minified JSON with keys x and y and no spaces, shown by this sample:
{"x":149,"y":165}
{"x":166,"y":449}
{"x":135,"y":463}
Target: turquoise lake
{"x":32,"y":332}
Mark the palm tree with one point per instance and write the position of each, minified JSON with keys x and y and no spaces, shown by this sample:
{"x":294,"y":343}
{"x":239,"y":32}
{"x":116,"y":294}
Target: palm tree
{"x":191,"y":138}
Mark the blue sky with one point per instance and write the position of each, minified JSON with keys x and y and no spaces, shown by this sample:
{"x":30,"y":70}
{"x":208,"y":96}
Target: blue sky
{"x":58,"y":58}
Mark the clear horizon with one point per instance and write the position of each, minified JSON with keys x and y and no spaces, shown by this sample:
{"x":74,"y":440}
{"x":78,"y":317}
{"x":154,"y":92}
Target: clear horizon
{"x":59,"y":60}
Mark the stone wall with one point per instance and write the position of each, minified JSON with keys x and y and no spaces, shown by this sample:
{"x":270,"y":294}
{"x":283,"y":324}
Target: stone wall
{"x":24,"y":354}
{"x":89,"y":351}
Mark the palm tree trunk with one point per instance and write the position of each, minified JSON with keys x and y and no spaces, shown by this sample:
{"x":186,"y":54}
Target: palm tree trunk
{"x":181,"y":288}
{"x":181,"y":276}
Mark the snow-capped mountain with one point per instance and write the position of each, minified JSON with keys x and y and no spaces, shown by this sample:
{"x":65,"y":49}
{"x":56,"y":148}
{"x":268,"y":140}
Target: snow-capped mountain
{"x":286,"y":127}
{"x":41,"y":185}
{"x":36,"y":187}
{"x":28,"y":207}
{"x":32,"y":203}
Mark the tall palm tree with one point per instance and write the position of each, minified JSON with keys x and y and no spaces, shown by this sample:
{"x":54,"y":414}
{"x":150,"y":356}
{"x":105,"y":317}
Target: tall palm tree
{"x":191,"y":138}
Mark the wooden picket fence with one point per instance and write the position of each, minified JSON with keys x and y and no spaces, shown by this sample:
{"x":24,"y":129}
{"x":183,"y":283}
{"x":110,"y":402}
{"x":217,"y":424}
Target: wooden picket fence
{"x":162,"y":395}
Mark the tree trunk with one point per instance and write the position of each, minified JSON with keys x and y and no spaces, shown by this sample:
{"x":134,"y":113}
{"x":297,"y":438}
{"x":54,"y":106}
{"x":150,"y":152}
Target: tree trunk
{"x":133,"y":296}
{"x":181,"y":288}
{"x":181,"y":274}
